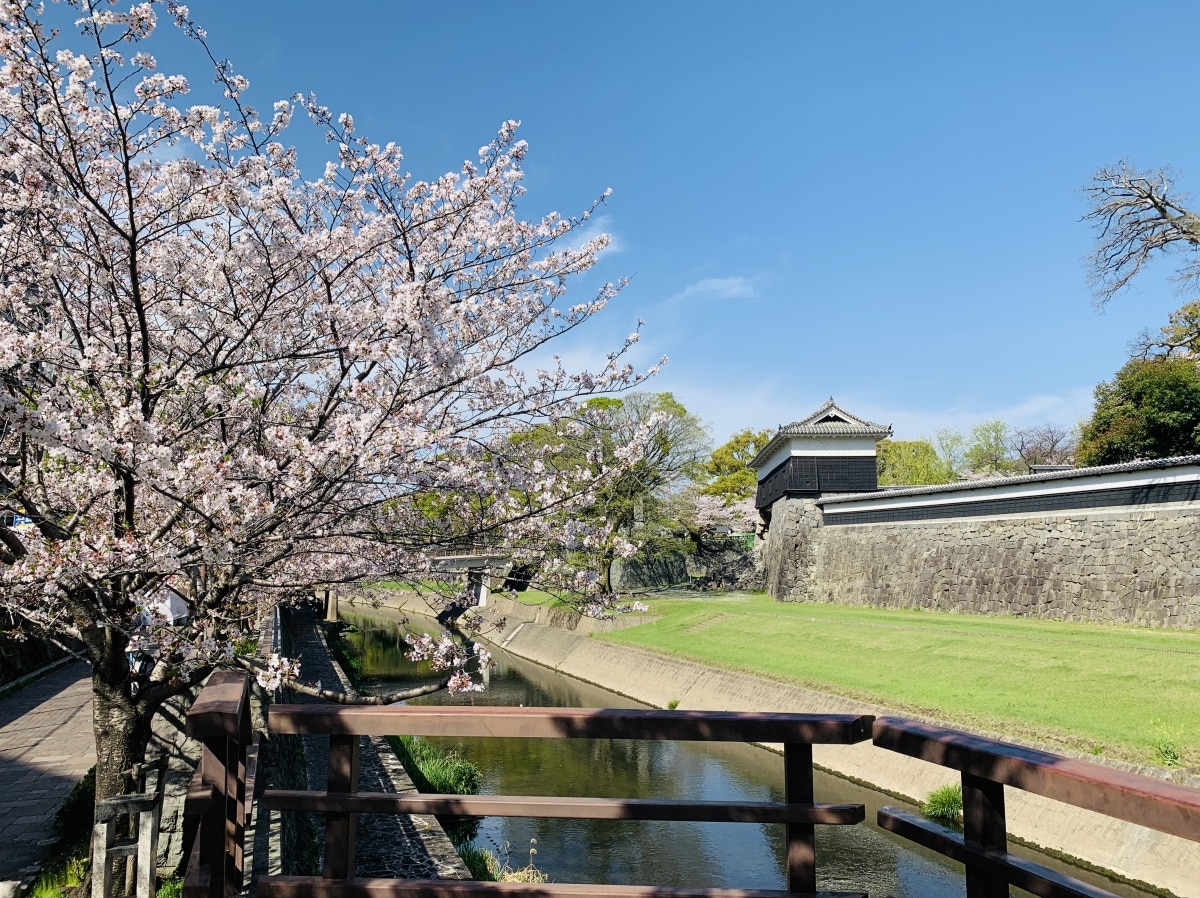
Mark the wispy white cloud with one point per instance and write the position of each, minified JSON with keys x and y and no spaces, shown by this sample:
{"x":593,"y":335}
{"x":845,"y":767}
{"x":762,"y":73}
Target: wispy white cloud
{"x":771,"y":402}
{"x":717,"y":288}
{"x":593,"y":228}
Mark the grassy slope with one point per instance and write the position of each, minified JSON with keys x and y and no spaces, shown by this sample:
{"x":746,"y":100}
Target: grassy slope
{"x":1090,"y":687}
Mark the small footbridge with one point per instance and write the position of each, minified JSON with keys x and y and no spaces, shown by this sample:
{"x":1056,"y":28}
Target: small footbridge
{"x":479,"y":563}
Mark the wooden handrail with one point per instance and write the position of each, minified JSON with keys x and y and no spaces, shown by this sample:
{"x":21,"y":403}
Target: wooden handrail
{"x":987,"y":766}
{"x":341,"y":801}
{"x":302,"y":887}
{"x":220,"y":709}
{"x":560,"y":807}
{"x":1166,"y":807}
{"x":220,"y":720}
{"x":571,"y":723}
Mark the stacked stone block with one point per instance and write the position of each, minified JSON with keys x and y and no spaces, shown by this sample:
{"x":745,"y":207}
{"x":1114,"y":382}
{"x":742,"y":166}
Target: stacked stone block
{"x":1136,"y":566}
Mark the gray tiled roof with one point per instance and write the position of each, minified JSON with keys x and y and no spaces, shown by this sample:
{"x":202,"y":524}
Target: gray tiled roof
{"x":966,"y":485}
{"x":829,"y":420}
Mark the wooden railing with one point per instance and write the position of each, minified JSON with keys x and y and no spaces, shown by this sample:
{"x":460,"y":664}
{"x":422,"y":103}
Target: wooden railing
{"x":224,"y":782}
{"x":142,"y":810}
{"x":341,"y":801}
{"x":987,"y":766}
{"x":218,"y":797}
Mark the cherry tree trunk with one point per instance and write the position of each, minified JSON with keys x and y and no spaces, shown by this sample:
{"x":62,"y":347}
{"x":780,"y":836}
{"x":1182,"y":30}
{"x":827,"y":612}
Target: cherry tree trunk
{"x":122,"y":732}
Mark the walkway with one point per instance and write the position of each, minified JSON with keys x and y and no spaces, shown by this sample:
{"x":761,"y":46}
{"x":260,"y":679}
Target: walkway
{"x":46,"y":747}
{"x":388,"y":845}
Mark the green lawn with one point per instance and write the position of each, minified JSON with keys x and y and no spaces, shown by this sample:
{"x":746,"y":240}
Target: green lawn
{"x":1093,"y":688}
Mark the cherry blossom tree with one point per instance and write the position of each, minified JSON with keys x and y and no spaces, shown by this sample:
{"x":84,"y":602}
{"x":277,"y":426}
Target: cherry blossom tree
{"x":710,"y":512}
{"x":224,"y":382}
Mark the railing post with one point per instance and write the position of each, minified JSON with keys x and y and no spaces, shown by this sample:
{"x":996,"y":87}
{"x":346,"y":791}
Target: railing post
{"x":102,"y":837}
{"x":341,"y":827}
{"x":212,"y":834}
{"x":236,"y":799}
{"x":984,"y":825}
{"x":801,"y":845}
{"x":219,"y":720}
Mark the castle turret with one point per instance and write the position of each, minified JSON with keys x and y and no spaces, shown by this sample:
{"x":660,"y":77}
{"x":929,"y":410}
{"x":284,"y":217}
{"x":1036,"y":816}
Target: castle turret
{"x":830,"y":451}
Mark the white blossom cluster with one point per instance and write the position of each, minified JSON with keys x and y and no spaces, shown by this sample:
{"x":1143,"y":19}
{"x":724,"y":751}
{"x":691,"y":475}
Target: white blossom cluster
{"x":444,"y":654}
{"x":278,"y":671}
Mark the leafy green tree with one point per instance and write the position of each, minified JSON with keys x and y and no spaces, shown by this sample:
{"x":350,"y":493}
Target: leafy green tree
{"x":727,"y":473}
{"x":633,"y":504}
{"x":910,"y":463}
{"x":988,"y":451}
{"x":1151,"y":409}
{"x":952,"y":450}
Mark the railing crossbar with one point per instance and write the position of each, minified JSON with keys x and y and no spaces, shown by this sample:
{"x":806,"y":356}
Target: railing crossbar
{"x":308,"y":887}
{"x":563,"y":807}
{"x":999,"y":866}
{"x":571,"y":723}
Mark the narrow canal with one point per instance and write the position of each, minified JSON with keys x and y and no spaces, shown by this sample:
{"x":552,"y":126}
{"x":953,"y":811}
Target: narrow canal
{"x":859,"y":857}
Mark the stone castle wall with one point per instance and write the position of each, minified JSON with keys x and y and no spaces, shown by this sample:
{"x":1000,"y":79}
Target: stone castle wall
{"x":1133,"y":565}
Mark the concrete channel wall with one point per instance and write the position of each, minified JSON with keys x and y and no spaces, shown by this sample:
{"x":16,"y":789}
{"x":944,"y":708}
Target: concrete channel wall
{"x":560,"y":640}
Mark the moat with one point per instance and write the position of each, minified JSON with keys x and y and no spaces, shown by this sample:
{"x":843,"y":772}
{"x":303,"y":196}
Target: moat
{"x":658,"y":853}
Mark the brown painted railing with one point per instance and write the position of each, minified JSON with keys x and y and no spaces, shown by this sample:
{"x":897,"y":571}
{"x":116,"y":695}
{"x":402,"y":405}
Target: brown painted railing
{"x":341,"y":802}
{"x":987,"y":766}
{"x":220,"y":791}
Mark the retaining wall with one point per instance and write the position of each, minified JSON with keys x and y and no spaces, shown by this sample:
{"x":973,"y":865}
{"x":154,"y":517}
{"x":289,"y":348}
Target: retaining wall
{"x":1079,"y":546}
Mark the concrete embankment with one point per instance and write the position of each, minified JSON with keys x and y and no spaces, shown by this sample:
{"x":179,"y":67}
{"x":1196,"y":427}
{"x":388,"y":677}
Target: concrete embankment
{"x":560,"y":641}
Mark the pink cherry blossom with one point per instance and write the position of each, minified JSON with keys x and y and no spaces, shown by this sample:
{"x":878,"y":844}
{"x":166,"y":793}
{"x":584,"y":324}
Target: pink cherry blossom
{"x":239,"y":382}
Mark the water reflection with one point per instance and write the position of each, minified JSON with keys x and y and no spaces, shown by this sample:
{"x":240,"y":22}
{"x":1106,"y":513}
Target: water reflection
{"x":658,"y":853}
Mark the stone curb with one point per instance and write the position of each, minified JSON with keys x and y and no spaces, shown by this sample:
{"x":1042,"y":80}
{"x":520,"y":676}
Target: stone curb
{"x":20,"y":682}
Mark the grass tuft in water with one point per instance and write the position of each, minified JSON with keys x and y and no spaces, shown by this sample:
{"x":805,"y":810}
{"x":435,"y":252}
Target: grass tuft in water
{"x":944,"y":805}
{"x":433,"y":769}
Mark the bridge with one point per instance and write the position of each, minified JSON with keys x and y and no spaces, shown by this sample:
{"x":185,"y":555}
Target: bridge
{"x":477,"y":566}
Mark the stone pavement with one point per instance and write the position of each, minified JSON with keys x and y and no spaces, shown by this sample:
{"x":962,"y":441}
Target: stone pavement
{"x":46,"y":747}
{"x":388,"y":845}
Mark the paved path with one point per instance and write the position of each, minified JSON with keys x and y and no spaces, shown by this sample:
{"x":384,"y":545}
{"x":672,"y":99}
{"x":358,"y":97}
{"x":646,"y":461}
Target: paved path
{"x":388,"y":845}
{"x":46,"y":747}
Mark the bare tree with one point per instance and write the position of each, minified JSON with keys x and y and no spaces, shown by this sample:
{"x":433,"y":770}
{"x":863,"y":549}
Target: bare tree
{"x":1047,"y":444}
{"x":1136,"y":219}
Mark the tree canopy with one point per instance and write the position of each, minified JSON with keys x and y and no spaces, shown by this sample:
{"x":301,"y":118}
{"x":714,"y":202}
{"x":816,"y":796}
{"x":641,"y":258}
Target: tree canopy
{"x":910,"y":463}
{"x":1138,"y":217}
{"x":632,"y":505}
{"x":727,"y":474}
{"x":231,"y":380}
{"x":1151,"y":409}
{"x":991,"y":449}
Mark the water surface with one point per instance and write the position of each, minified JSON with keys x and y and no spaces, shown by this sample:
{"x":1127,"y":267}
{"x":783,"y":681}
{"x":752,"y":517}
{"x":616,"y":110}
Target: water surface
{"x":710,"y":855}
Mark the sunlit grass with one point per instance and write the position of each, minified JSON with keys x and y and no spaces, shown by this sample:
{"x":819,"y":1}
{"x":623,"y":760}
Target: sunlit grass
{"x":1094,"y":688}
{"x":436,"y":769}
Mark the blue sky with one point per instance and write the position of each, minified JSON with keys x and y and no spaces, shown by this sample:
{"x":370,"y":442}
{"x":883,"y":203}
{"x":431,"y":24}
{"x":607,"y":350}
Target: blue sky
{"x":875,"y":201}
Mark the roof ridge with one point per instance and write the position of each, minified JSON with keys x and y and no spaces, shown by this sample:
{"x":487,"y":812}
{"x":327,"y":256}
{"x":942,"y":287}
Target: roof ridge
{"x":831,"y":408}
